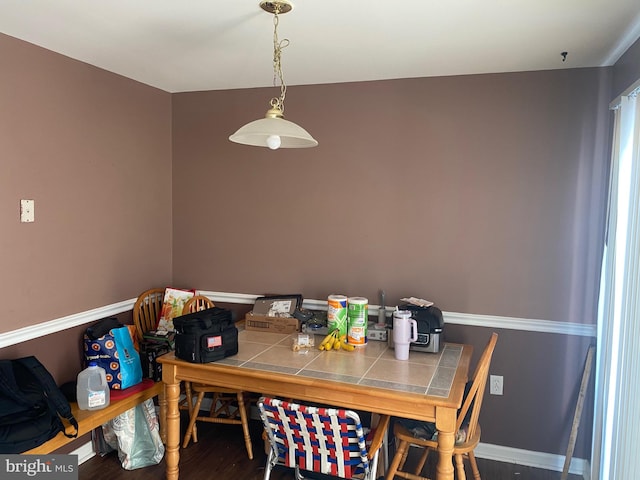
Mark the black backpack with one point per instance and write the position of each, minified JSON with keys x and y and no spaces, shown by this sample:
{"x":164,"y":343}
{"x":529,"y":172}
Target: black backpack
{"x":31,"y":405}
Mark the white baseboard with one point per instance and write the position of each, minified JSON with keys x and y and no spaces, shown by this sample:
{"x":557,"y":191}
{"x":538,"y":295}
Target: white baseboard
{"x":84,"y":452}
{"x":546,"y":461}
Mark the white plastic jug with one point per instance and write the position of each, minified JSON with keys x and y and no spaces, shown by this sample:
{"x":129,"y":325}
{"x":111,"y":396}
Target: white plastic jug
{"x":92,"y":390}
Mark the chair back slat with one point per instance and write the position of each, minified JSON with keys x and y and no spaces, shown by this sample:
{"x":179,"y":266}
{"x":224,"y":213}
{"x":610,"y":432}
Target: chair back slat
{"x":323,"y":440}
{"x":147,"y":309}
{"x":475,"y":395}
{"x":197,"y":303}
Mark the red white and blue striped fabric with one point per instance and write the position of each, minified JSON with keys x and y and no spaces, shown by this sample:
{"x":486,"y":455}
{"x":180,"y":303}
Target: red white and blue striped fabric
{"x":325,"y":440}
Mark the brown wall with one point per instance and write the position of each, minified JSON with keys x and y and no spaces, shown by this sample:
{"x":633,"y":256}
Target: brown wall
{"x":482,"y":193}
{"x":93,"y":150}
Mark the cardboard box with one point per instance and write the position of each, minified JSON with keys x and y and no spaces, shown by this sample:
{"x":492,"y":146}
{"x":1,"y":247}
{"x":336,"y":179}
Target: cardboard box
{"x":277,"y":305}
{"x":263,"y":323}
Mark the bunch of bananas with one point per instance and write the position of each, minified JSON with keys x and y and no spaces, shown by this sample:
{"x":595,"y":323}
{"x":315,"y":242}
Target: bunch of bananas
{"x":335,"y":341}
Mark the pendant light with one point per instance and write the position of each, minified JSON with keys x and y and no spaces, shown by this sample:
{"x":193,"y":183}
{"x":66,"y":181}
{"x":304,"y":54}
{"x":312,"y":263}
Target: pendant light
{"x":273,"y":130}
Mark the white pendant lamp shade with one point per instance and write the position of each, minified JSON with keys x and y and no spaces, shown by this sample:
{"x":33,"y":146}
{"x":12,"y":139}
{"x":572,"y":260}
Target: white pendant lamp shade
{"x":273,"y":132}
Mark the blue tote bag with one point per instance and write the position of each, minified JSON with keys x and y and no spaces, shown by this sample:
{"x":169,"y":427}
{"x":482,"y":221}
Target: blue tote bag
{"x":116,"y":353}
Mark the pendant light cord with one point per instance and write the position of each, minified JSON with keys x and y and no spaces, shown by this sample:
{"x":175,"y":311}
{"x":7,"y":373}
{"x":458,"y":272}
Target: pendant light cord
{"x":278,"y":102}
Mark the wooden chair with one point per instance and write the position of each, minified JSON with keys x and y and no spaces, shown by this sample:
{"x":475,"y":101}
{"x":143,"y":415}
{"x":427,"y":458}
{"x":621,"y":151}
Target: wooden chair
{"x":146,"y":311}
{"x":197,"y":303}
{"x":470,"y":411}
{"x":328,"y":441}
{"x":227,"y":405}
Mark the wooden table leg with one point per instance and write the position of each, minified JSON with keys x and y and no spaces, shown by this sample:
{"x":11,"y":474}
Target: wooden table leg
{"x":162,"y":403}
{"x":172,"y":394}
{"x":446,"y":424}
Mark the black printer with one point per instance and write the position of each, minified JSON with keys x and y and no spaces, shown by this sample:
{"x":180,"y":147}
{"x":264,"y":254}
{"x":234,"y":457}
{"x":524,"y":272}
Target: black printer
{"x":430,"y":328}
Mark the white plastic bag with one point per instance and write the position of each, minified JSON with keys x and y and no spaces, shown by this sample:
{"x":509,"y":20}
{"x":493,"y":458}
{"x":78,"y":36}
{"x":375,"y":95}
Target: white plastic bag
{"x":136,"y":435}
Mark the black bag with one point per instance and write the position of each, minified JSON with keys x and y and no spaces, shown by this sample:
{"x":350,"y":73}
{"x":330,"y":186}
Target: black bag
{"x":31,"y":405}
{"x":154,"y":344}
{"x":149,"y":352}
{"x":205,"y":336}
{"x":101,"y":328}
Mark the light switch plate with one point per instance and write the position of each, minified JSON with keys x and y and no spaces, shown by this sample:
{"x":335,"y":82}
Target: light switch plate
{"x":27,"y":211}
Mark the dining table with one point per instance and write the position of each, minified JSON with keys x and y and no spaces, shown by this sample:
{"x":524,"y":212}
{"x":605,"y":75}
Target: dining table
{"x":427,"y":386}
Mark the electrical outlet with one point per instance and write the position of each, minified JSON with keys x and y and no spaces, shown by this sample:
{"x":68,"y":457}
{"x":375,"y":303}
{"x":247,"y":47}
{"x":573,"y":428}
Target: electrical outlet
{"x":495,"y":382}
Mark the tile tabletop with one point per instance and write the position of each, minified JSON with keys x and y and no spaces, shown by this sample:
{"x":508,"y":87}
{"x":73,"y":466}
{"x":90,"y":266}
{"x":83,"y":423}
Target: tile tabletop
{"x":371,"y":365}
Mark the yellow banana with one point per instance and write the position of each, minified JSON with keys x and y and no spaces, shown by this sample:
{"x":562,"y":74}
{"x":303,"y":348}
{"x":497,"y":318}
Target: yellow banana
{"x":327,"y":339}
{"x":334,"y":341}
{"x":347,"y":346}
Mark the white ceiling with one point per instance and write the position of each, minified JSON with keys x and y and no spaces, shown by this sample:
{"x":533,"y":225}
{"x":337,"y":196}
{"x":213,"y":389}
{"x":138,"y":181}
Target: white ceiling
{"x":192,"y":45}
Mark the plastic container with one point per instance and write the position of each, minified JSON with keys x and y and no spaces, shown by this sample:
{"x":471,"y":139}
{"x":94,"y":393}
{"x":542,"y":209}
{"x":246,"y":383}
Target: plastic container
{"x":357,"y":320}
{"x":337,"y":313}
{"x":92,"y":390}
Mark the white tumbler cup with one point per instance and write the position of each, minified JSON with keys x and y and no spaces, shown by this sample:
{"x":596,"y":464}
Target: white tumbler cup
{"x":405,"y":331}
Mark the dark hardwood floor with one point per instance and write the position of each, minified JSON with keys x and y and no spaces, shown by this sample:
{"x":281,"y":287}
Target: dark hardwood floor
{"x":220,"y":453}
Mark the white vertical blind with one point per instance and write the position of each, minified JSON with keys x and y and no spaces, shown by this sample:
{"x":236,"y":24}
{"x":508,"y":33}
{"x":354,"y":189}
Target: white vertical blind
{"x":617,"y":421}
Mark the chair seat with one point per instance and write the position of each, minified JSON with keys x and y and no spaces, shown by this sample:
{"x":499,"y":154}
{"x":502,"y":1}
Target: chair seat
{"x":402,"y":433}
